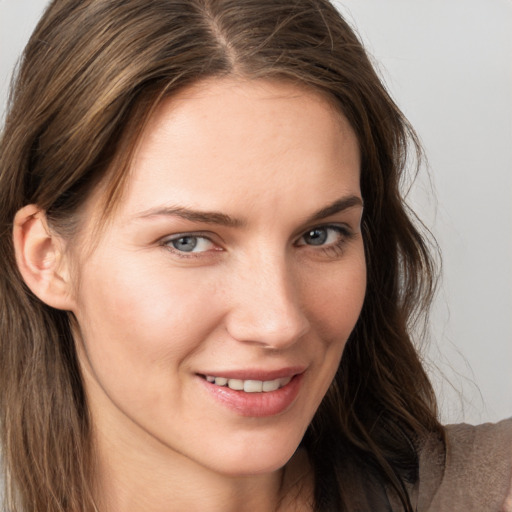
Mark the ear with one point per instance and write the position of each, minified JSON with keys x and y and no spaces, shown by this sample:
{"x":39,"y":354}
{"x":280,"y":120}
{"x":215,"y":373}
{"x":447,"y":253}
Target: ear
{"x":41,"y":259}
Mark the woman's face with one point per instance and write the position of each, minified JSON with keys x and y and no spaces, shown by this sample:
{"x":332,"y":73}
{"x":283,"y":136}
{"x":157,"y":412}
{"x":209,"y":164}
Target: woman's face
{"x":234,"y":260}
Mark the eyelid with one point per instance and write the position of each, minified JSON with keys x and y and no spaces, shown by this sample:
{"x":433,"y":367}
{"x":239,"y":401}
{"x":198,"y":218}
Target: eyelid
{"x":199,"y":234}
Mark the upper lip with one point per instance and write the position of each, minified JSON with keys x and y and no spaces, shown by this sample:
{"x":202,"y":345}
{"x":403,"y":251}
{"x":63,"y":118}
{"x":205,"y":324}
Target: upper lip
{"x":257,"y":374}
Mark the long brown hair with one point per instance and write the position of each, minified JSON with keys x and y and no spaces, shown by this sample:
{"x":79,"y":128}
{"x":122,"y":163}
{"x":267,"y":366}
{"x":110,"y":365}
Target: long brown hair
{"x":89,"y":78}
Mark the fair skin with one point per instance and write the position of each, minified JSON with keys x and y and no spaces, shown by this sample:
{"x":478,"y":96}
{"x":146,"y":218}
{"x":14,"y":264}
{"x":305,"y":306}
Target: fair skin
{"x":234,"y":253}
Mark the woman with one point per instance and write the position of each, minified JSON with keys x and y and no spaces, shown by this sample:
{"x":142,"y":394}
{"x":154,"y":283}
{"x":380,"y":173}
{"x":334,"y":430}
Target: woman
{"x":210,"y":275}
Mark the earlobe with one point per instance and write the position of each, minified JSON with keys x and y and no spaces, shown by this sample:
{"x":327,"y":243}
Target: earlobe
{"x":40,"y":258}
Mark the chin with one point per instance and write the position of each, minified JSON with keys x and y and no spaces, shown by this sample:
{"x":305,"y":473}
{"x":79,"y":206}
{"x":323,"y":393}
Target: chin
{"x":255,"y":458}
{"x":253,"y":467}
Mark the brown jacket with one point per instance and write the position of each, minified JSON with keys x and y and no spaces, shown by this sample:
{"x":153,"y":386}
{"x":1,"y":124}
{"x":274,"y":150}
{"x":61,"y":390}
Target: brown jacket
{"x":473,"y":475}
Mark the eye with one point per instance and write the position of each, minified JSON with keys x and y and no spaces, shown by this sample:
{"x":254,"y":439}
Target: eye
{"x":323,"y":235}
{"x":189,"y":243}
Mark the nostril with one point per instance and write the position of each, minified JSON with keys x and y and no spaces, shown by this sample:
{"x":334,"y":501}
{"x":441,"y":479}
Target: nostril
{"x":273,"y":330}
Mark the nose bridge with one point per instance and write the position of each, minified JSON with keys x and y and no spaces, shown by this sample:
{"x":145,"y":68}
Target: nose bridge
{"x":267,"y":308}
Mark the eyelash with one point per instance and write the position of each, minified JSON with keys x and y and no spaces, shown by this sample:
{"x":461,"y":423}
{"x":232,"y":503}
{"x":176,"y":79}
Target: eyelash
{"x":333,"y":250}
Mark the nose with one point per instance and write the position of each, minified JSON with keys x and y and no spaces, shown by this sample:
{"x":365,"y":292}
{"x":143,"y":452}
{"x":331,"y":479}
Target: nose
{"x":266,"y":307}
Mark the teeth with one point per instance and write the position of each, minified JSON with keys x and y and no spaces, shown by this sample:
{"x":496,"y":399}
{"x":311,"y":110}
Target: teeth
{"x":235,"y":384}
{"x":270,"y":385}
{"x":249,"y":386}
{"x":253,"y":386}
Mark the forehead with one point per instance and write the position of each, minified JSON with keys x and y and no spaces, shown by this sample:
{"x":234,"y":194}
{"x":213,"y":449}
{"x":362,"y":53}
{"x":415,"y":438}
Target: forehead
{"x":227,"y":144}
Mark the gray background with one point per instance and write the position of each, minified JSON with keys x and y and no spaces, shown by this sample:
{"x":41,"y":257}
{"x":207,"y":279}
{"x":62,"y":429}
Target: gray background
{"x":448,"y":64}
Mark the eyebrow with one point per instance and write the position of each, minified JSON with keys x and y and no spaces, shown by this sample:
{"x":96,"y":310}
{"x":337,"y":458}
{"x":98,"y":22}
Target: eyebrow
{"x":212,"y":217}
{"x":205,"y":217}
{"x":338,"y":206}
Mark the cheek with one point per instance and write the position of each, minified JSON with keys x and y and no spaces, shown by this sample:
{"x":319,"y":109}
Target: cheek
{"x":334,"y":303}
{"x":135,"y":316}
{"x":336,"y":300}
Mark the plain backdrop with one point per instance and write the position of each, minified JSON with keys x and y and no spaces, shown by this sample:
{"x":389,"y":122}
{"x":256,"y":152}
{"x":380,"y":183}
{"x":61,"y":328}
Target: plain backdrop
{"x":448,"y":65}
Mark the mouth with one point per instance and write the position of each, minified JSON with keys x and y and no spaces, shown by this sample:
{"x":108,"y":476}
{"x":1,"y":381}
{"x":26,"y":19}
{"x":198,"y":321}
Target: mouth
{"x":263,"y":394}
{"x":250,"y":385}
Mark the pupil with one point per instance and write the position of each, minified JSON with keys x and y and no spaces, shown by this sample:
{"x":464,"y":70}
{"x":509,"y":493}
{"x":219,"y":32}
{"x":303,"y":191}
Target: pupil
{"x":185,"y":243}
{"x":317,"y":236}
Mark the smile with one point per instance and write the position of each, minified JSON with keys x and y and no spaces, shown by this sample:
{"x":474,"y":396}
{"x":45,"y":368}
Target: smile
{"x":264,"y":394}
{"x":249,"y":386}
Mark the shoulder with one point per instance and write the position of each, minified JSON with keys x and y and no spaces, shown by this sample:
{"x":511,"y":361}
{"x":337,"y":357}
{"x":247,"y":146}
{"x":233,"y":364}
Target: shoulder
{"x":470,"y":470}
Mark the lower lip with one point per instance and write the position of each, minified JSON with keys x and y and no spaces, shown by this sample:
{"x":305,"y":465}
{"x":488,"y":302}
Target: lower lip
{"x":258,"y":405}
